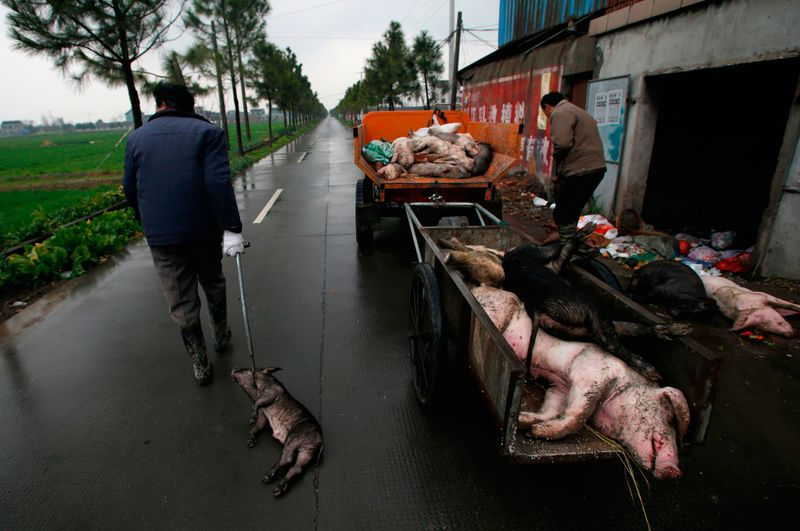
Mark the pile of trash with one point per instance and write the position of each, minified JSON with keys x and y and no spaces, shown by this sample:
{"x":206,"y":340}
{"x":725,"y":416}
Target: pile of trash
{"x":632,"y":243}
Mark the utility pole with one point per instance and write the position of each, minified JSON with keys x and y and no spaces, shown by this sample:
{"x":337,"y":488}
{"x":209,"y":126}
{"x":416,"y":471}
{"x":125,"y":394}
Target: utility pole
{"x":454,"y":71}
{"x":452,"y":21}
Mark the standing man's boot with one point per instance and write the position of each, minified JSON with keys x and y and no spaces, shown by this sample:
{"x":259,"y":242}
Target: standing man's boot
{"x":566,"y":233}
{"x":218,"y":316}
{"x":195,"y":345}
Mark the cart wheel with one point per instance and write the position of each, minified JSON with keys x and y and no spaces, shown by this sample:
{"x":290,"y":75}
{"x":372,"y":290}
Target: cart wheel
{"x":425,"y":336}
{"x":363,"y":225}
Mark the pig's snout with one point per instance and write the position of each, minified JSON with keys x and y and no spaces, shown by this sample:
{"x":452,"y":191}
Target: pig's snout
{"x":671,"y":472}
{"x":242,"y":376}
{"x":665,"y":462}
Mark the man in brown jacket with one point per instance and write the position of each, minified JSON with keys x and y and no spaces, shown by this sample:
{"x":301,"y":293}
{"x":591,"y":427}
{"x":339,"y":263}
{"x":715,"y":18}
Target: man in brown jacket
{"x":580,"y":161}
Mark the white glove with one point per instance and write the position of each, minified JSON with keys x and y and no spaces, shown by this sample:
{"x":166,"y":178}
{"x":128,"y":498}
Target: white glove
{"x":232,"y":243}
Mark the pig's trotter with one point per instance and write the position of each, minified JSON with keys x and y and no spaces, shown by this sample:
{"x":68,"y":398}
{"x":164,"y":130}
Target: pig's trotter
{"x":251,"y":441}
{"x":282,"y":487}
{"x":269,"y":476}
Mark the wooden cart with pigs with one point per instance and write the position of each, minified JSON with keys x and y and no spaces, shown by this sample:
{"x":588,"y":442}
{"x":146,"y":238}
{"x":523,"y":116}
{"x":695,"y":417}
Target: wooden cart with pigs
{"x":447,"y":326}
{"x":379,"y":196}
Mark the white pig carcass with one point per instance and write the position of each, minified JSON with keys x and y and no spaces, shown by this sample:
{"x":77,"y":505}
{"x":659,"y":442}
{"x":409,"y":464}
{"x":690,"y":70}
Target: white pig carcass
{"x":750,"y":308}
{"x":589,"y":385}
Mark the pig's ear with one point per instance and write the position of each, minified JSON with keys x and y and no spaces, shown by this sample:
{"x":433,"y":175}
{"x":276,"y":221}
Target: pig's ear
{"x":270,"y":370}
{"x":680,"y":406}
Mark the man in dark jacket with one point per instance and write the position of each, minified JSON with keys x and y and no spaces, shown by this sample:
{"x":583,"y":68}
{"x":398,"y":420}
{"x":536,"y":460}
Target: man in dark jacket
{"x":579,"y":157}
{"x":178,"y":181}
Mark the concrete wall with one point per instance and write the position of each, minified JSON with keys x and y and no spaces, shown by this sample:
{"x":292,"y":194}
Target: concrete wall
{"x":710,"y":35}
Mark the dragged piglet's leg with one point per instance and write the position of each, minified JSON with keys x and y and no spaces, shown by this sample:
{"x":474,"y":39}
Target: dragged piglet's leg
{"x":263,"y":400}
{"x":259,"y":423}
{"x":304,"y":456}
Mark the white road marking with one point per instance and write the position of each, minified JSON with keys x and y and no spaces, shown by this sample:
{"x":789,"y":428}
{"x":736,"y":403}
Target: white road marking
{"x":269,"y":204}
{"x":302,"y":157}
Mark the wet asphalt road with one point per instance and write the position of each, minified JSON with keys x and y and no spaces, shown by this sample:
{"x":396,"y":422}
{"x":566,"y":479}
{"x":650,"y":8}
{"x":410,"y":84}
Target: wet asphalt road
{"x":102,"y":427}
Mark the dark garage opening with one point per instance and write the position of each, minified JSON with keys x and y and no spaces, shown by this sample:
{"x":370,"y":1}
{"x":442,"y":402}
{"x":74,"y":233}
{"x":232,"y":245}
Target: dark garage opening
{"x":718,"y":136}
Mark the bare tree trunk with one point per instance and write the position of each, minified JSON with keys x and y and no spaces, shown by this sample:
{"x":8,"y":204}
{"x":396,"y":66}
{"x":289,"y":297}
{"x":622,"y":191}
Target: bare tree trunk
{"x":232,"y":69}
{"x":136,"y":108}
{"x":220,"y":89}
{"x":269,"y":119}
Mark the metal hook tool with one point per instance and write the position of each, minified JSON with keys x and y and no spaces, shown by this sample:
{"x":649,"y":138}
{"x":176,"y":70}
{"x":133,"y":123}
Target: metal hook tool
{"x":245,"y":315}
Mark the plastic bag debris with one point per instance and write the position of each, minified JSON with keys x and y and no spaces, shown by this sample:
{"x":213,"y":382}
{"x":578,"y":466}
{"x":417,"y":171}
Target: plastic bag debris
{"x":705,"y":254}
{"x":378,"y":151}
{"x":722,"y":240}
{"x":693,"y":241}
{"x":602,"y":225}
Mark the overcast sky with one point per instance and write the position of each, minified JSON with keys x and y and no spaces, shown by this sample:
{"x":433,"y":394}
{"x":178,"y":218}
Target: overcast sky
{"x":332,"y":39}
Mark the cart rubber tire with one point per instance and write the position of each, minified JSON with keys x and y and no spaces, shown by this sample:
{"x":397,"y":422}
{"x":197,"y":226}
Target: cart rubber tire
{"x":425,"y":333}
{"x":363,"y":203}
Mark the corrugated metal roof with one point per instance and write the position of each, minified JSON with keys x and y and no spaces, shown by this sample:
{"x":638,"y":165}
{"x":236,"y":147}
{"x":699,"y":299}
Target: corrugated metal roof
{"x":519,"y":18}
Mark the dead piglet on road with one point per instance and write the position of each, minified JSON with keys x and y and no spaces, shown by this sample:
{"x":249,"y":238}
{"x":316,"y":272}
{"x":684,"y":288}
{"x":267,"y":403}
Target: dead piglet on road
{"x":292,"y":424}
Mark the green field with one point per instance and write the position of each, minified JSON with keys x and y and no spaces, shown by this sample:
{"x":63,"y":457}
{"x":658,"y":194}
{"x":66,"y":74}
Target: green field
{"x":80,"y":153}
{"x":16,"y":207}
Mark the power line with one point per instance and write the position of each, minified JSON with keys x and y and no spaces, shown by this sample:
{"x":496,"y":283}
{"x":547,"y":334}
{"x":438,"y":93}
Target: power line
{"x":405,"y":17}
{"x":432,"y":10}
{"x":324,"y":38}
{"x":306,"y":9}
{"x":487,"y":43}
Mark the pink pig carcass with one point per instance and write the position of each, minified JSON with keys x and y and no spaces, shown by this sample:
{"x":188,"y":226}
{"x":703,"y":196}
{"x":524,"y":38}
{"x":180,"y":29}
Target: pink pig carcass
{"x":589,"y":385}
{"x":750,"y":308}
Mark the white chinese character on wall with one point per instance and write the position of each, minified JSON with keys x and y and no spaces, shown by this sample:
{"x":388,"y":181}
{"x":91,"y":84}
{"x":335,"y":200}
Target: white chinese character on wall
{"x":493,"y":114}
{"x":522,"y":148}
{"x":544,"y":145}
{"x":519,"y":112}
{"x":531,"y":148}
{"x":482,"y":113}
{"x":505,"y":113}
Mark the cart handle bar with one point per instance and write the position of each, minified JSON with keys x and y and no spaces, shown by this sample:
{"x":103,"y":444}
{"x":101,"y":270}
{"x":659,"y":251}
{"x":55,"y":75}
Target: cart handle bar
{"x":413,"y":221}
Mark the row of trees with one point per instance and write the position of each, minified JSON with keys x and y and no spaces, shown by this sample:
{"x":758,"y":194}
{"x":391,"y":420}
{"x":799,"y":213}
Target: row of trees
{"x":394,"y":70}
{"x":104,"y":39}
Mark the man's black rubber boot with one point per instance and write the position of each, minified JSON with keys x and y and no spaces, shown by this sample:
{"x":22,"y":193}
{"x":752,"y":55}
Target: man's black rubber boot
{"x":218,"y":316}
{"x":195,"y":345}
{"x":566,"y":233}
